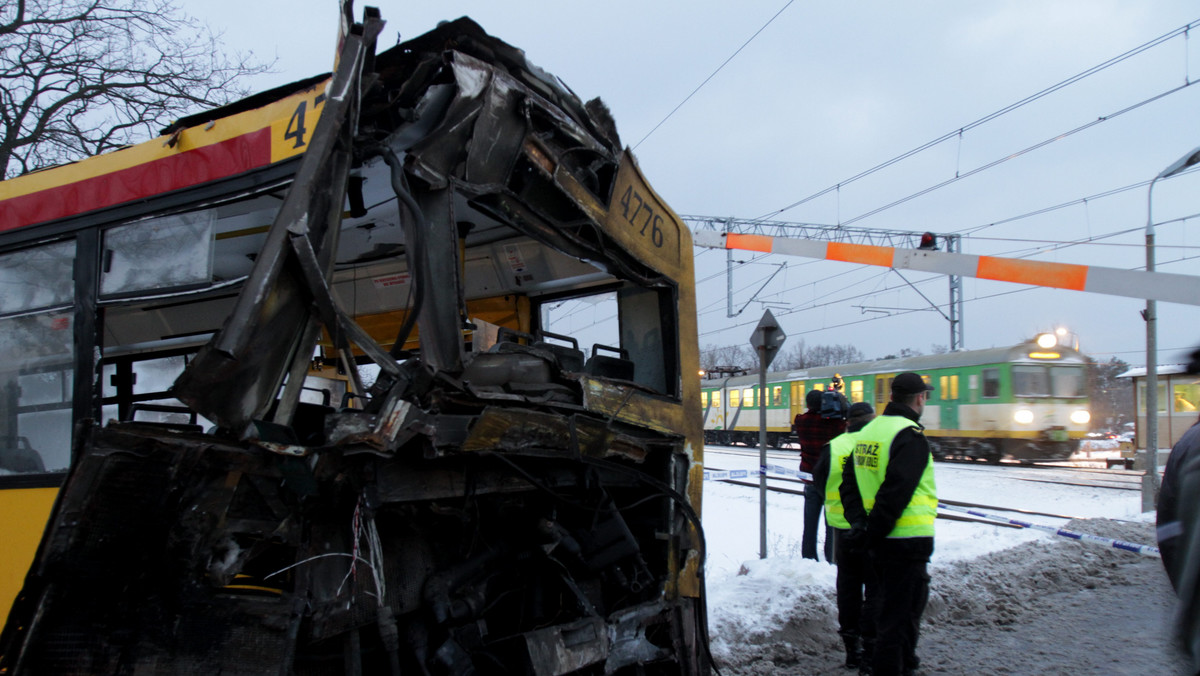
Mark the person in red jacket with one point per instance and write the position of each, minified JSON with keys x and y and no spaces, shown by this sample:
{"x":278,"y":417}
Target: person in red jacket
{"x":813,"y":432}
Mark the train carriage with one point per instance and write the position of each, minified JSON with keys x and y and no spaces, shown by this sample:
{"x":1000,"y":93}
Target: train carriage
{"x":1025,"y":402}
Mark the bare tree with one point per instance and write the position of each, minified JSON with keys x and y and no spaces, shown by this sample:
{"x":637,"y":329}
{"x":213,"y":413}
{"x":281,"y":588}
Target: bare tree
{"x":728,"y":358}
{"x":791,"y":358}
{"x":832,"y":355}
{"x":81,"y":77}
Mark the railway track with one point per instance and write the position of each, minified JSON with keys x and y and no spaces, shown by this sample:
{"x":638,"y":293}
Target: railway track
{"x":1114,"y":479}
{"x":941,"y":515}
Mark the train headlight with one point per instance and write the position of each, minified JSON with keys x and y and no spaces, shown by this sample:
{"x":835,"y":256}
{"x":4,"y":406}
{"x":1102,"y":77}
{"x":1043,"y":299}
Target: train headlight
{"x":1023,"y":416}
{"x":1081,"y":417}
{"x":1046,"y":340}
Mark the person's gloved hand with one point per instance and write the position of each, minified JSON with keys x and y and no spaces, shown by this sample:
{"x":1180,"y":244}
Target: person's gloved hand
{"x":855,"y":540}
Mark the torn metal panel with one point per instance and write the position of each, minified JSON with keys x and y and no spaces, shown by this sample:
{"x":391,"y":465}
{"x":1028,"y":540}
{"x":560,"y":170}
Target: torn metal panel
{"x":523,"y":504}
{"x":236,"y":377}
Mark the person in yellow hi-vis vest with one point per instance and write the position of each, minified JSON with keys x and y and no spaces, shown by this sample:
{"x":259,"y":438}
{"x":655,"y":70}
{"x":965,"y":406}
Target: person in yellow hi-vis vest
{"x":890,"y":501}
{"x":855,"y":581}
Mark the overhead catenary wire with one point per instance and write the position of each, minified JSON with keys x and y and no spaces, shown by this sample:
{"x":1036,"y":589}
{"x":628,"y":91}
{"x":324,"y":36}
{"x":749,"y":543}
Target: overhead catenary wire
{"x":1019,"y":153}
{"x":1182,"y":30}
{"x":713,"y":74}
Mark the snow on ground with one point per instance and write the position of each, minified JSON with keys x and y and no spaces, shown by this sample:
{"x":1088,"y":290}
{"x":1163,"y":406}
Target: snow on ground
{"x":1003,"y":600}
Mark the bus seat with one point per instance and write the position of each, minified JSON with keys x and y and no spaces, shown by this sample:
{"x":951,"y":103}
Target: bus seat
{"x":619,"y":368}
{"x":17,"y":455}
{"x":569,"y":357}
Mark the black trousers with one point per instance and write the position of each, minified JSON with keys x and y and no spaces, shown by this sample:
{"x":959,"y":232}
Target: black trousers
{"x":814,"y":504}
{"x":903,"y":593}
{"x":857,"y":593}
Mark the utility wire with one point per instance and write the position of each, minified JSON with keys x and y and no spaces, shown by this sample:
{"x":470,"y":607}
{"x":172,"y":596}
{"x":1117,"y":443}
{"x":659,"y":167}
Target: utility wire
{"x":1084,"y":200}
{"x":1183,"y":30}
{"x":1019,"y":153}
{"x":714,"y":73}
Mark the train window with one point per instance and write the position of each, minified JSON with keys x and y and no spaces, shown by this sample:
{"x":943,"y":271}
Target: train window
{"x":883,"y":390}
{"x":777,"y":395}
{"x":1031,"y":381}
{"x":735,"y":398}
{"x":949,"y":387}
{"x":704,"y":400}
{"x":1187,"y":398}
{"x":991,"y":383}
{"x":748,"y":397}
{"x":716,"y":399}
{"x":1068,"y":381}
{"x":856,"y":390}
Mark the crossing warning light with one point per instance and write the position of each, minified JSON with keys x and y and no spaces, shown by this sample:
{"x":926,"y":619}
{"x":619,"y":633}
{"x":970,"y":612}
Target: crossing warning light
{"x":928,"y":242}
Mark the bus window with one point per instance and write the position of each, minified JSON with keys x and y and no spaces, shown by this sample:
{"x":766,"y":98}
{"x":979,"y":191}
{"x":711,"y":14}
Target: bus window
{"x":635,"y":319}
{"x":35,"y":392}
{"x":35,"y":278}
{"x":160,"y":253}
{"x":127,"y":382}
{"x":991,"y":383}
{"x":36,"y":358}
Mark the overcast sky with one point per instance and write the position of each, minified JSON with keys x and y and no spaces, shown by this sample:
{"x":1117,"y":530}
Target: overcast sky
{"x":829,"y":90}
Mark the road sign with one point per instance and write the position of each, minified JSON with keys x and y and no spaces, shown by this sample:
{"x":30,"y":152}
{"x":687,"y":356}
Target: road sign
{"x":768,"y":337}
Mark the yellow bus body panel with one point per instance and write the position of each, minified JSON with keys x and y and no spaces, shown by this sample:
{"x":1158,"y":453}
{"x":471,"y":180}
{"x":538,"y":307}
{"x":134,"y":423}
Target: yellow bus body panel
{"x":26,"y":512}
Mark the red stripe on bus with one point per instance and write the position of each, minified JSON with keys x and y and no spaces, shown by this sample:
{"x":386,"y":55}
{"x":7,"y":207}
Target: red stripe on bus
{"x":189,"y":168}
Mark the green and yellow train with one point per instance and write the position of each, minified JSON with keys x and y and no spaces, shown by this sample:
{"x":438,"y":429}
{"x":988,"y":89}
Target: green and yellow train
{"x":1025,"y":402}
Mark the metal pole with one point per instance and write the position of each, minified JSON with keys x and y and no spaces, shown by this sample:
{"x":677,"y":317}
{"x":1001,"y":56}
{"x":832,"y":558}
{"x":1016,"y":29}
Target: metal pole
{"x":762,"y":452}
{"x":1150,"y":452}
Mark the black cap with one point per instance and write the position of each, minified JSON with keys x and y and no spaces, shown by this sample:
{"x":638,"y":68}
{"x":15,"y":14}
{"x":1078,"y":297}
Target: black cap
{"x":860,"y":408}
{"x":910,"y":383}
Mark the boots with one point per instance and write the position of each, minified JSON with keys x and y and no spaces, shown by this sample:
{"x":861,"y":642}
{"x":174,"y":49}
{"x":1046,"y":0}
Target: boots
{"x":868,"y":654}
{"x":853,"y":652}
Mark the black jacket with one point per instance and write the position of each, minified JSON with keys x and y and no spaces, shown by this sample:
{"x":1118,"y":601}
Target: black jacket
{"x":1169,"y":517}
{"x":907,"y":459}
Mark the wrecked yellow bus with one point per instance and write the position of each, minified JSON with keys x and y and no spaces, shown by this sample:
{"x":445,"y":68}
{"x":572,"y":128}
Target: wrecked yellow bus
{"x":387,"y":370}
